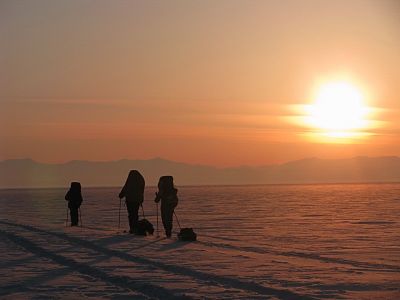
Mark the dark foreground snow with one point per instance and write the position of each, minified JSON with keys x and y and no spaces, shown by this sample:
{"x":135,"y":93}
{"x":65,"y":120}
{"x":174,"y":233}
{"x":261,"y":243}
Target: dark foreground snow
{"x":255,"y":242}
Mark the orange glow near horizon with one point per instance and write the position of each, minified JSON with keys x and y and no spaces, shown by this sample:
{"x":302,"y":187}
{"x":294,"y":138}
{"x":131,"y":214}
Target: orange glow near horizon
{"x":257,"y":83}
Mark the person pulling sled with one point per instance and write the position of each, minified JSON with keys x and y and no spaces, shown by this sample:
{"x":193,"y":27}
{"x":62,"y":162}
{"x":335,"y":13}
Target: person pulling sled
{"x":74,"y":198}
{"x":167,"y":194}
{"x":133,"y":191}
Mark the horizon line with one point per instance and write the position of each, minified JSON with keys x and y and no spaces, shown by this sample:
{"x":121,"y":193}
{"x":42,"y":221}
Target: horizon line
{"x":192,"y":164}
{"x":204,"y":185}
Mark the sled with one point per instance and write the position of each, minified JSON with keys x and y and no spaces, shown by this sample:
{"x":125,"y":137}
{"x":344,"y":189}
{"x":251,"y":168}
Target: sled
{"x":143,"y":227}
{"x":187,"y":235}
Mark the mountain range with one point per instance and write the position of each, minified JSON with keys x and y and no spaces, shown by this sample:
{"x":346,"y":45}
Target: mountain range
{"x":17,"y":173}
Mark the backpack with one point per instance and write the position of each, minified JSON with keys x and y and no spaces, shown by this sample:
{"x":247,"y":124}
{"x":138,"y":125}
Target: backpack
{"x":187,"y":235}
{"x":172,"y":200}
{"x":143,"y":227}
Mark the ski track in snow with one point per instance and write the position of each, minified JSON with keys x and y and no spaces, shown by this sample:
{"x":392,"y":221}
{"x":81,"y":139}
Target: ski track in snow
{"x":208,"y":279}
{"x":329,"y":247}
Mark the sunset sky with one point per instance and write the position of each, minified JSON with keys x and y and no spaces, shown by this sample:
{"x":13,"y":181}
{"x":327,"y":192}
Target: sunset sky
{"x":223,"y":83}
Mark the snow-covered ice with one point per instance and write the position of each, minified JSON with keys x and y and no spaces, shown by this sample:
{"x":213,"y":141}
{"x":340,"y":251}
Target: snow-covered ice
{"x":254,"y":242}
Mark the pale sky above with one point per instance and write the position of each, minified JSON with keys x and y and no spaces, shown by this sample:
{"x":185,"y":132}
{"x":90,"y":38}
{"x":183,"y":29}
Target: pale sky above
{"x":208,"y":82}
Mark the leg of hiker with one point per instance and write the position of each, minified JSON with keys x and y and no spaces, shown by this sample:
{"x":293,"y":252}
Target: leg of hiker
{"x":74,"y":216}
{"x":133,"y":209}
{"x":166,"y":215}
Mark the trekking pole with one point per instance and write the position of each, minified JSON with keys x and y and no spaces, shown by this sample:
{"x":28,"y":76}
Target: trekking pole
{"x":80,"y":216}
{"x":66,"y":220}
{"x":158,"y":234}
{"x":176,"y":217}
{"x":119,"y":213}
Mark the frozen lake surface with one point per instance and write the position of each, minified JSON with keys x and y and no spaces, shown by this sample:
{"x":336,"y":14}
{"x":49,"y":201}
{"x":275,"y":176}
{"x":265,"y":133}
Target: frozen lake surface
{"x":254,"y":242}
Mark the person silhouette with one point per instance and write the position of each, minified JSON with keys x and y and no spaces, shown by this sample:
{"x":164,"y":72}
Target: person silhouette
{"x":133,"y":191}
{"x":74,"y":198}
{"x":167,"y":194}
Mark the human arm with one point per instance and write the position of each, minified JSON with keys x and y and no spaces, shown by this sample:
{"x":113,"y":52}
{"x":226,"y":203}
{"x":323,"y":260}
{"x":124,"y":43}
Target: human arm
{"x":67,"y":196}
{"x":122,"y":192}
{"x":158,"y":197}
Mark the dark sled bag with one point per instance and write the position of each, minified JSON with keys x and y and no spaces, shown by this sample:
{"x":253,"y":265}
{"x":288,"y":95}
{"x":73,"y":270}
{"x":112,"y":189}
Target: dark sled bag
{"x":187,"y":235}
{"x":143,"y":227}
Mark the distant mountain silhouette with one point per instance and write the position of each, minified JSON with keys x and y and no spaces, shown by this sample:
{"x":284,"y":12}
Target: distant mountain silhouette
{"x":28,"y":173}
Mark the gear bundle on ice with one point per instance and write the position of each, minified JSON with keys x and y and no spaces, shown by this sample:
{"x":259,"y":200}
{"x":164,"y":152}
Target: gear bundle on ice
{"x":143,"y":227}
{"x":187,"y":235}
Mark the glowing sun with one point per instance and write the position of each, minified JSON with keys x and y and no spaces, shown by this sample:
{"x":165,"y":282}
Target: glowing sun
{"x":339,"y":110}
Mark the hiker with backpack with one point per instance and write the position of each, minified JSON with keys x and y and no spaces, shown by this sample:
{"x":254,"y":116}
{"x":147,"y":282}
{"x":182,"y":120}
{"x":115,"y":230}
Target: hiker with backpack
{"x":74,"y":198}
{"x":167,"y":194}
{"x":133,"y":191}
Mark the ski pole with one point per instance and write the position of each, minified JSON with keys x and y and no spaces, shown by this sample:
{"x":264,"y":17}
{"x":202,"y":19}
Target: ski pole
{"x":80,"y":216}
{"x":66,"y":220}
{"x":176,"y":217}
{"x":158,"y":234}
{"x":119,"y":213}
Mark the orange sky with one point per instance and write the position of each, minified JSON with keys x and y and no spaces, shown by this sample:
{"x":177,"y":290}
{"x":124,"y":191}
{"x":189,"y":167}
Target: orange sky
{"x":210,"y":82}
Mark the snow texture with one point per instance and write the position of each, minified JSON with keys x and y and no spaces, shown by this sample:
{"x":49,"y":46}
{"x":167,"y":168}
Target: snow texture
{"x":254,"y":242}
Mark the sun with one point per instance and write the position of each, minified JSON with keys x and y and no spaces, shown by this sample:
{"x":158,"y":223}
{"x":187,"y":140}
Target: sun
{"x":339,"y":110}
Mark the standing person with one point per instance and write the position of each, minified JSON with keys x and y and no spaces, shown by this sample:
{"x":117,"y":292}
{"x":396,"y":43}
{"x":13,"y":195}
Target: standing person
{"x":133,"y":192}
{"x":167,"y":193}
{"x":74,"y":198}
